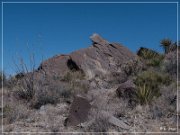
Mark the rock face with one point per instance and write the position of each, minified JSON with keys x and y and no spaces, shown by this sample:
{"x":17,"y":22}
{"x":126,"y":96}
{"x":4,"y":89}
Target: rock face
{"x":78,"y":112}
{"x":126,"y":90}
{"x":102,"y":58}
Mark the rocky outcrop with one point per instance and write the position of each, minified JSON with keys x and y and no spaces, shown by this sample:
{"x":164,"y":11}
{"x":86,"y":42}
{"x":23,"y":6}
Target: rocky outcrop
{"x":96,"y":39}
{"x":101,"y":58}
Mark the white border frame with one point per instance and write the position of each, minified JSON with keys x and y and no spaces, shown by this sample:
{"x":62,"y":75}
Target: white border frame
{"x":2,"y":30}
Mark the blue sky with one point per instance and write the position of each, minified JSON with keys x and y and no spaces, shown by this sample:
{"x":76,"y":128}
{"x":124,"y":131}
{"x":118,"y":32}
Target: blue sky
{"x":50,"y":29}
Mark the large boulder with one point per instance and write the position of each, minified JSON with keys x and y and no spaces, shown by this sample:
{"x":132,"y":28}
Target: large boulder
{"x":78,"y":111}
{"x":102,"y":58}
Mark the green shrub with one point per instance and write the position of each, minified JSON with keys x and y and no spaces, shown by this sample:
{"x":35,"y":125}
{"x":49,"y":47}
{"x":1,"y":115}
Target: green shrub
{"x":151,"y":57}
{"x":152,"y":78}
{"x":155,"y":61}
{"x":148,"y":83}
{"x":144,"y":95}
{"x":146,"y":53}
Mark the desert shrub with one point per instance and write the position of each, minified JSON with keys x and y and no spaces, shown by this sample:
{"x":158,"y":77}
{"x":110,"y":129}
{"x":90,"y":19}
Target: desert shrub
{"x":72,"y":76}
{"x":6,"y":110}
{"x":152,"y":78}
{"x":25,"y":88}
{"x":26,"y":78}
{"x":132,"y":67}
{"x":156,"y":61}
{"x":67,"y":77}
{"x":148,"y":83}
{"x":50,"y":95}
{"x":76,"y":81}
{"x":146,"y":53}
{"x":100,"y":124}
{"x":170,"y":63}
{"x":14,"y":112}
{"x":144,"y":95}
{"x":11,"y":82}
{"x":151,"y":57}
{"x":166,"y":104}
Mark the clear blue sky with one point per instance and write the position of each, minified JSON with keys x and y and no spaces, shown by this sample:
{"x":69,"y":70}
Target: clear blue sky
{"x":51,"y":29}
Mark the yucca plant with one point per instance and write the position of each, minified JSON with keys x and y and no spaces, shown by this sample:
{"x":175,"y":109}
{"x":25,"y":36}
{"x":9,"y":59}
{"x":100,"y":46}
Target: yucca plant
{"x":144,"y":95}
{"x":166,"y":43}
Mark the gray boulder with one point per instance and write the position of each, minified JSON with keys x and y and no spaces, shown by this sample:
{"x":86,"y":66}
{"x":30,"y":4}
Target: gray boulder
{"x":102,"y":58}
{"x":126,"y":90}
{"x":78,"y":111}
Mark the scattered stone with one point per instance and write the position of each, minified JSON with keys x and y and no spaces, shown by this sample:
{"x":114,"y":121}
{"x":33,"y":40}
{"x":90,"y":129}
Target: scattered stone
{"x":115,"y":121}
{"x":126,"y":90}
{"x":78,"y":111}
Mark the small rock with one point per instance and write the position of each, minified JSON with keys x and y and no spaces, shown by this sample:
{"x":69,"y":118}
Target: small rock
{"x":126,"y":90}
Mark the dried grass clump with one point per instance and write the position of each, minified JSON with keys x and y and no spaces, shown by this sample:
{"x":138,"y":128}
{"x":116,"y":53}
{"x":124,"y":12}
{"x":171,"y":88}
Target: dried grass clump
{"x":15,"y":112}
{"x":76,"y":82}
{"x":50,"y":94}
{"x":99,"y":122}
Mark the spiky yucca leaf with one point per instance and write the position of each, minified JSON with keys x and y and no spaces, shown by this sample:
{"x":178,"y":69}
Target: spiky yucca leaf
{"x":144,"y":95}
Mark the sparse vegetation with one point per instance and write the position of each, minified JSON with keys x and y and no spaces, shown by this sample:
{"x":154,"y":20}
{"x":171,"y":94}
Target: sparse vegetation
{"x":50,"y":95}
{"x":75,"y":80}
{"x":72,"y":76}
{"x":26,"y":80}
{"x":15,"y":112}
{"x":169,"y":46}
{"x":148,"y":85}
{"x":144,"y":95}
{"x":152,"y":78}
{"x":146,"y":53}
{"x":170,"y":63}
{"x":132,"y":67}
{"x":156,"y":61}
{"x":151,"y":57}
{"x":136,"y":92}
